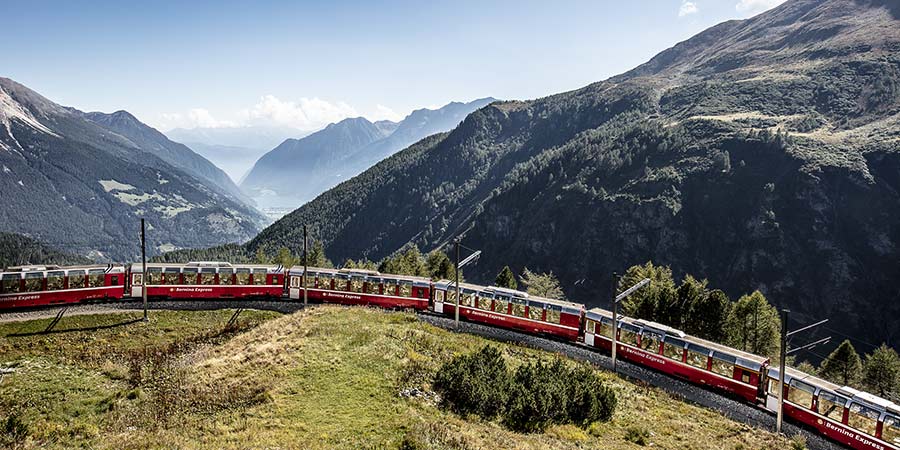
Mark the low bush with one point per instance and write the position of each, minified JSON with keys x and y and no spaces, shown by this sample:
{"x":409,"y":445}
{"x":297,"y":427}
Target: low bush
{"x":535,"y":396}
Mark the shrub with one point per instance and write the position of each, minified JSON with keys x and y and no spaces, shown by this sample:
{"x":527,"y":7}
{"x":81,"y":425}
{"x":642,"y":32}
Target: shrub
{"x":477,"y":383}
{"x":537,"y":395}
{"x":638,"y":435}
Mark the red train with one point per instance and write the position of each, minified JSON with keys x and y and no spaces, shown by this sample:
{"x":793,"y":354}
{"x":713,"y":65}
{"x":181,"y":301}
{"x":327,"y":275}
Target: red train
{"x":856,"y":419}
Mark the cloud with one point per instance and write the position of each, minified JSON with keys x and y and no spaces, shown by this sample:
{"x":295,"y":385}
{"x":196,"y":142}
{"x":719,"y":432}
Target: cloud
{"x":384,"y":113}
{"x":304,"y":114}
{"x":687,"y":8}
{"x":194,"y":118}
{"x":753,"y":7}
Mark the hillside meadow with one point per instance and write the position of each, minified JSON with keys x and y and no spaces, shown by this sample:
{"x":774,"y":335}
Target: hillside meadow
{"x":326,"y":377}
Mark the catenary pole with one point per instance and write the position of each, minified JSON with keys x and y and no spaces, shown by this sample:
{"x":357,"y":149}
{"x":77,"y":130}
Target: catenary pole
{"x":144,"y":278}
{"x":615,"y":313}
{"x":781,"y":364}
{"x":305,"y":263}
{"x":456,"y":308}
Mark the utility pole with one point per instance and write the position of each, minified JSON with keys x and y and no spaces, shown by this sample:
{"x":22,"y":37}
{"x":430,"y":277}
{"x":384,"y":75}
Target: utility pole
{"x":615,"y":310}
{"x":144,"y":278}
{"x":785,"y":334}
{"x":456,"y":308}
{"x":781,"y":364}
{"x":615,"y":317}
{"x":305,"y":263}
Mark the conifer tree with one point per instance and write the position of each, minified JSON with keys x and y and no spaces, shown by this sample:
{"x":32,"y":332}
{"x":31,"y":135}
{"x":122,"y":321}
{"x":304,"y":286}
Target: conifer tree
{"x":754,"y":326}
{"x":506,"y":279}
{"x":881,"y":370}
{"x":843,"y":365}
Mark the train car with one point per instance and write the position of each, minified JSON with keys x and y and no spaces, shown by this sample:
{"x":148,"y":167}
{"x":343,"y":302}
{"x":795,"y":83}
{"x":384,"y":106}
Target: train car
{"x":208,"y":280}
{"x":508,"y":308}
{"x":27,"y":286}
{"x":360,"y":287}
{"x":856,"y":419}
{"x":673,"y":352}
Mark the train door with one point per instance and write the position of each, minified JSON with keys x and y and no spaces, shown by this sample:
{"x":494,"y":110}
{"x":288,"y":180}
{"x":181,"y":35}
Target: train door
{"x":296,"y":282}
{"x":137,"y":284}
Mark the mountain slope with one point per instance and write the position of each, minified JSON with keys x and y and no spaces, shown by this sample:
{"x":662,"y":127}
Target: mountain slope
{"x":178,"y":155}
{"x":82,"y":188}
{"x":18,"y":250}
{"x":299,"y":169}
{"x":764,"y":154}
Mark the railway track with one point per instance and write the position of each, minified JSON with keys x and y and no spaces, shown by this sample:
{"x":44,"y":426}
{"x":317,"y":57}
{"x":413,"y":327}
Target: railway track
{"x":733,"y":409}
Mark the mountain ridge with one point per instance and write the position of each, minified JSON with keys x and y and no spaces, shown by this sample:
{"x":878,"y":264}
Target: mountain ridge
{"x":716,"y":157}
{"x":81,"y":187}
{"x":340,"y":151}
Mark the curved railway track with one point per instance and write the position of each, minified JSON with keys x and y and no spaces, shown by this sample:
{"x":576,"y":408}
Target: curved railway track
{"x":732,"y":409}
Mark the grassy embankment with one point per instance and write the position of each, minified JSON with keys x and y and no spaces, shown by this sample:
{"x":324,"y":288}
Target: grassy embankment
{"x":328,"y":377}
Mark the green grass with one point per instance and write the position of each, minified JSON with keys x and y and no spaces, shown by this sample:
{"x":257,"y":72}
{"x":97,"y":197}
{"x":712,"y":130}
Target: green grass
{"x":328,"y":377}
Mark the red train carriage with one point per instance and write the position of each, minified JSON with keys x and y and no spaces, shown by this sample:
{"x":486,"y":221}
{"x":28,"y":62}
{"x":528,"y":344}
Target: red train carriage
{"x":507,"y":308}
{"x":671,"y":351}
{"x":207,"y":280}
{"x":859,"y":420}
{"x":48,"y":285}
{"x":360,"y":287}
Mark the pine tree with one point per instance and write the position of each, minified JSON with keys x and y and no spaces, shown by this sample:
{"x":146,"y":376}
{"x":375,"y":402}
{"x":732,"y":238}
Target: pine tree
{"x":261,"y":257}
{"x":316,"y":256}
{"x":506,"y":279}
{"x":754,"y":326}
{"x":645,"y":302}
{"x":843,"y":365}
{"x":285,"y":258}
{"x":439,"y":266}
{"x":542,"y":284}
{"x":881,"y":370}
{"x":708,"y":316}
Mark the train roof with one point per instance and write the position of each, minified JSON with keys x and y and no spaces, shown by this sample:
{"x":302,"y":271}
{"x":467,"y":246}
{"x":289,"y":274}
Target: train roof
{"x":870,"y":400}
{"x":371,"y":274}
{"x":748,"y":359}
{"x":111,"y":268}
{"x":270,"y":268}
{"x":515,"y":294}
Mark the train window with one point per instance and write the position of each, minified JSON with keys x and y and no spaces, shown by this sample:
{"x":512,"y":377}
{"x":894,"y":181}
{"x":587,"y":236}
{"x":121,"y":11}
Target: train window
{"x":137,"y":279}
{"x":650,"y":341}
{"x":242,"y":276}
{"x":373,"y":286}
{"x":439,"y":295}
{"x":356,"y":284}
{"x":590,"y":326}
{"x":34,"y":281}
{"x":890,"y":432}
{"x":697,"y":356}
{"x":483,"y":303}
{"x":96,"y":278}
{"x":55,"y":280}
{"x":451,"y":295}
{"x":114,"y":280}
{"x":830,"y":405}
{"x":501,"y":306}
{"x":673,"y":348}
{"x":405,"y":289}
{"x":628,"y":334}
{"x":310,"y":280}
{"x":535,"y":311}
{"x":208,"y":276}
{"x":171,"y":275}
{"x":773,"y":386}
{"x":10,"y":283}
{"x":422,"y":292}
{"x":154,"y":276}
{"x":259,"y":277}
{"x":226,"y":276}
{"x":518,"y":309}
{"x":553,"y":315}
{"x":77,"y":280}
{"x":801,"y":394}
{"x":863,"y":418}
{"x":723,"y":364}
{"x":390,"y":288}
{"x":190,"y":275}
{"x":341,"y":283}
{"x":468,"y":298}
{"x":296,"y":282}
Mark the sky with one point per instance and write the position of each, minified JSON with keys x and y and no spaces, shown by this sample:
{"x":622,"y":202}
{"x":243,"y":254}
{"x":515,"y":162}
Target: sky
{"x":305,"y":64}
